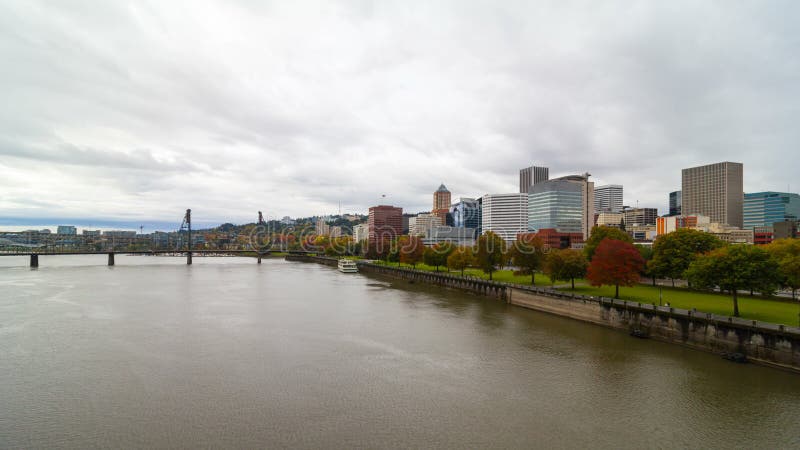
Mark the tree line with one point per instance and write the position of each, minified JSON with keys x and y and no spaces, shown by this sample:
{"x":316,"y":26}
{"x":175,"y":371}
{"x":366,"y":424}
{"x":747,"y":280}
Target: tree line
{"x":610,"y":258}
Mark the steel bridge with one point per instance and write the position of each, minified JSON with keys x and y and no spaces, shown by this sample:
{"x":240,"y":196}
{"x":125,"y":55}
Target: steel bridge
{"x":188,"y":251}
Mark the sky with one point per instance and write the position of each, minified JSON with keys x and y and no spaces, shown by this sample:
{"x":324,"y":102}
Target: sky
{"x":135,"y":111}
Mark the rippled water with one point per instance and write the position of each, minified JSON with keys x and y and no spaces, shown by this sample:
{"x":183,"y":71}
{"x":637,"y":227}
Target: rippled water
{"x":228,"y":353}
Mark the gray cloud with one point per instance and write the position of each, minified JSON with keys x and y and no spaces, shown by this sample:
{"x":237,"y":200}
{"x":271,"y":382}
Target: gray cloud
{"x":142,"y":109}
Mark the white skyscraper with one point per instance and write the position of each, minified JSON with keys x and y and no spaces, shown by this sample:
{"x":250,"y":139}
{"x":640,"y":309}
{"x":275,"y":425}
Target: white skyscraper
{"x":608,"y":198}
{"x":505,"y":214}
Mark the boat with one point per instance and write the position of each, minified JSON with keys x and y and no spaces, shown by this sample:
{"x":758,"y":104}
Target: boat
{"x":348,"y":266}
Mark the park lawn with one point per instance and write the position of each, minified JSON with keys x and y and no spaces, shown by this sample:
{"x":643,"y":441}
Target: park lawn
{"x":506,"y":276}
{"x":755,"y":308}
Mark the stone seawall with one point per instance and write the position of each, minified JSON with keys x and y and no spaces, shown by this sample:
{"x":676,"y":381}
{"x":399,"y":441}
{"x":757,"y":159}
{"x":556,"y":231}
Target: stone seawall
{"x":762,"y":342}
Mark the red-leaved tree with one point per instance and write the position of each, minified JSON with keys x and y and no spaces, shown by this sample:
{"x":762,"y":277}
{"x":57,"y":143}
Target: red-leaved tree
{"x":615,"y":263}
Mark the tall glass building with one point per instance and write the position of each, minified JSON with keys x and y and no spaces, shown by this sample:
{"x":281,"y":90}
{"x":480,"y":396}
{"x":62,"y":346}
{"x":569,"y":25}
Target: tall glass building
{"x":556,"y":204}
{"x":762,"y":209}
{"x":466,"y":213}
{"x":675,"y":203}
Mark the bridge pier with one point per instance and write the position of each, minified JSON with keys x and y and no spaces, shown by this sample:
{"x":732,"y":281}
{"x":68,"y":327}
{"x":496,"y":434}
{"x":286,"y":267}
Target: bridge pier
{"x":111,"y":259}
{"x":34,"y":260}
{"x":188,"y":258}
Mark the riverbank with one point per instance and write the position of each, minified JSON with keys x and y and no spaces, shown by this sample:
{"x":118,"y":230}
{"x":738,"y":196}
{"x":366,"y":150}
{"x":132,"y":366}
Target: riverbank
{"x":762,"y":342}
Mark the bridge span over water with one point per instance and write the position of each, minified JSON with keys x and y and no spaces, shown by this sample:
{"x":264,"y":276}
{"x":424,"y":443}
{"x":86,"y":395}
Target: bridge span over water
{"x":34,"y":252}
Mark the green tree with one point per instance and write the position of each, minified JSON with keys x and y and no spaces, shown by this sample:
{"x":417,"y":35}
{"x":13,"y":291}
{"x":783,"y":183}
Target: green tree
{"x":460,"y":259}
{"x":786,"y":252}
{"x":565,"y":265}
{"x":733,"y":268}
{"x":528,"y":254}
{"x":647,"y":255}
{"x":673,"y":253}
{"x":490,"y":252}
{"x":600,"y":233}
{"x":437,"y":255}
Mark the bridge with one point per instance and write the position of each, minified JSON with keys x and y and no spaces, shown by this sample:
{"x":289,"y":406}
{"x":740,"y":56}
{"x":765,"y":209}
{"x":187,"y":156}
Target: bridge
{"x":186,"y":225}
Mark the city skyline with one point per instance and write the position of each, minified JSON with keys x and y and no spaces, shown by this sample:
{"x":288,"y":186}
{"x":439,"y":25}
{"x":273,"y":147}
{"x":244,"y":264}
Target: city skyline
{"x":285,"y":120}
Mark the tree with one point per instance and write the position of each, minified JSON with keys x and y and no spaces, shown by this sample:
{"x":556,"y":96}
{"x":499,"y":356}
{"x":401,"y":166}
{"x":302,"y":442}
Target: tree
{"x":733,"y":268}
{"x":411,"y":250}
{"x":528,"y":254}
{"x":437,"y":255}
{"x":615,"y":263}
{"x":673,"y":253}
{"x":786,"y":252}
{"x":460,"y":259}
{"x":647,"y":255}
{"x":600,"y":233}
{"x":565,"y":265}
{"x":490,"y":252}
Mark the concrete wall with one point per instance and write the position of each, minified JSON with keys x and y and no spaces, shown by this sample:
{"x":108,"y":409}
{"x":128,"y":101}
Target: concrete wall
{"x":762,"y":342}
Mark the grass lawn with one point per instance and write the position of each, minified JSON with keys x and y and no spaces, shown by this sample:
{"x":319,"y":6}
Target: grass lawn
{"x":775,"y":311}
{"x":500,"y":275}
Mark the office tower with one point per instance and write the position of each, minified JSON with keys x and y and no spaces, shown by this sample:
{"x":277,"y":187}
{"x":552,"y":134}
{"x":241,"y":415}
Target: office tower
{"x":505,"y":214}
{"x":640,"y":216}
{"x":466,"y":213}
{"x":608,"y":198}
{"x":675,"y":203}
{"x":385,"y":223}
{"x":530,"y":176}
{"x":763,"y":209}
{"x":421,"y":225}
{"x":565,"y":204}
{"x":441,"y":203}
{"x":716,"y":191}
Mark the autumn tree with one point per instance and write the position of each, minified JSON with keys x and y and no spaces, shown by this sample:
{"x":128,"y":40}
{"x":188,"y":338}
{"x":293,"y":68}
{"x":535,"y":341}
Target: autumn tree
{"x":490,"y":252}
{"x":565,"y":265}
{"x":615,"y":263}
{"x":527,"y":253}
{"x":786,"y":252}
{"x":603,"y":232}
{"x":411,"y":250}
{"x":733,"y":268}
{"x":674,"y":252}
{"x":460,"y":259}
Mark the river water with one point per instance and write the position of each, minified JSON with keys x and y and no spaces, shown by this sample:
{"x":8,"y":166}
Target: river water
{"x":229,"y":353}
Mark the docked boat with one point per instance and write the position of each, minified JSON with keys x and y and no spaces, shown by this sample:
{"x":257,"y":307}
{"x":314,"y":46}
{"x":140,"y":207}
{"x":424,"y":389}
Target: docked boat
{"x":348,"y":266}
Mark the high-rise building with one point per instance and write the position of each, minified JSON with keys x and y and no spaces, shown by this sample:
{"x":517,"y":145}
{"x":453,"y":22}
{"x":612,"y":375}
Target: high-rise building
{"x":530,"y":176}
{"x":565,"y":204}
{"x":505,"y":214}
{"x":385,"y":222}
{"x":715,"y":190}
{"x":466,"y":213}
{"x":763,"y":209}
{"x":675,"y":203}
{"x":640,"y":216}
{"x":422,"y":224}
{"x":441,"y":203}
{"x":608,"y":198}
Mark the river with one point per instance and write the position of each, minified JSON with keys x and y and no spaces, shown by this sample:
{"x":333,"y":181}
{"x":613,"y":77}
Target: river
{"x":229,"y":353}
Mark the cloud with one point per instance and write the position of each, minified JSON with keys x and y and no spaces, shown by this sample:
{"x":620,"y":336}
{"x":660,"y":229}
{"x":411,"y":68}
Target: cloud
{"x":143,"y":109}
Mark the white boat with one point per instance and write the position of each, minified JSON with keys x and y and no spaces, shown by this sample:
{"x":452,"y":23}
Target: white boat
{"x":347,"y":266}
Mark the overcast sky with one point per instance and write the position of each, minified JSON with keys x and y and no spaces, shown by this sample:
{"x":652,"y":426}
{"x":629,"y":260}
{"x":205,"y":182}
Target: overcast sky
{"x":140,"y":110}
